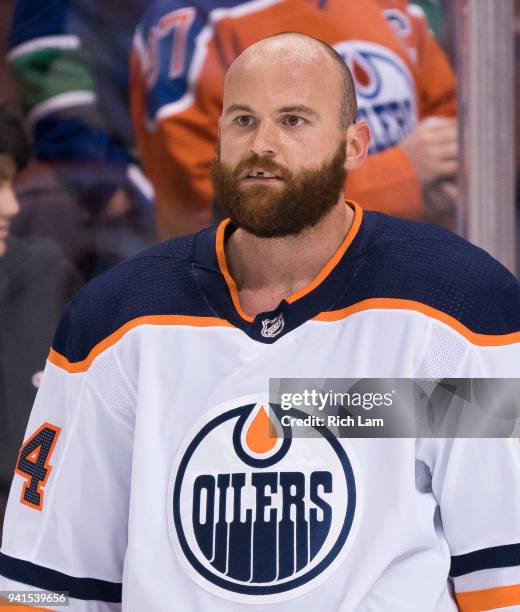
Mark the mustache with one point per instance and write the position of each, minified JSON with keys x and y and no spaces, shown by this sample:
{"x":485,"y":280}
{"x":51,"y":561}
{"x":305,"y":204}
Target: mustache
{"x":262,"y":163}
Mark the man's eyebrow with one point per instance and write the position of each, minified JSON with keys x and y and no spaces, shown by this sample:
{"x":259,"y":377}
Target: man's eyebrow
{"x":238,"y":107}
{"x":299,"y":108}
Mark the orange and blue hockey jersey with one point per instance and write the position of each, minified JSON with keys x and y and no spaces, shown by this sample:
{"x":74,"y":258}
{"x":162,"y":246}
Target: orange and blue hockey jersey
{"x":145,"y":485}
{"x":182,"y":51}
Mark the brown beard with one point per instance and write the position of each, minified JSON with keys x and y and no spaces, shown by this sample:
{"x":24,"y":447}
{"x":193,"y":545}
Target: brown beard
{"x":302,"y":200}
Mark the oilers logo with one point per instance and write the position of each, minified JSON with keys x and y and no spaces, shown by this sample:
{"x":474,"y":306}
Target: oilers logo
{"x":256,"y":515}
{"x":386,"y":94}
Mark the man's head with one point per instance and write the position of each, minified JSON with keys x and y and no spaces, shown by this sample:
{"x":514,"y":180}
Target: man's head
{"x":288,"y":111}
{"x":14,"y":155}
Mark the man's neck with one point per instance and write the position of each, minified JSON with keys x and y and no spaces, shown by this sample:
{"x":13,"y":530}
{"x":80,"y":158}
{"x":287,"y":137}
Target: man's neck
{"x":266,"y":270}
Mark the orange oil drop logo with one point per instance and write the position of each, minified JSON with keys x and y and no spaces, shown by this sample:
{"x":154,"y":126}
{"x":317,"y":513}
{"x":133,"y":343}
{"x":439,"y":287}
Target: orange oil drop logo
{"x":261,"y":434}
{"x":360,"y":74}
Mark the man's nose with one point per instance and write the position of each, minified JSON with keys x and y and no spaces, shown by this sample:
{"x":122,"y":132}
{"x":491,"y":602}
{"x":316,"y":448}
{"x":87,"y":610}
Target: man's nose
{"x":265,"y":140}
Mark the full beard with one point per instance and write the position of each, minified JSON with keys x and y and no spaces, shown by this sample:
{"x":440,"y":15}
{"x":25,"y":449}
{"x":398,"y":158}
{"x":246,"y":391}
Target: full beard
{"x":266,"y":211}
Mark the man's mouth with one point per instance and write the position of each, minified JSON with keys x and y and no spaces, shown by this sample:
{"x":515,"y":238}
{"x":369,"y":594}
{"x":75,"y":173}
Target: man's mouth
{"x":261,"y":175}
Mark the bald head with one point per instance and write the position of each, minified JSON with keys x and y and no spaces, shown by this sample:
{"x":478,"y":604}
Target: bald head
{"x":292,"y":48}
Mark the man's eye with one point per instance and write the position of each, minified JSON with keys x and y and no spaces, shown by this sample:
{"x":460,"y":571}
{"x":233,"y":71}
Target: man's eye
{"x":244,"y":120}
{"x":293,"y":121}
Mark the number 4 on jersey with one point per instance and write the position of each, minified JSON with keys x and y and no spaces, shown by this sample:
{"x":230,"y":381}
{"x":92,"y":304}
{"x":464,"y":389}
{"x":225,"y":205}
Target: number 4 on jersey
{"x":33,"y":464}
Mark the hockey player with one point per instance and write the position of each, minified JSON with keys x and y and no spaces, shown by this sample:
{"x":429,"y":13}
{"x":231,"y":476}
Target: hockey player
{"x":147,"y":479}
{"x":405,"y":89}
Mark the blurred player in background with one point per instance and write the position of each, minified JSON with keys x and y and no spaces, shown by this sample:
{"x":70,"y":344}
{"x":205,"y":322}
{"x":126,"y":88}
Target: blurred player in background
{"x":36,"y":281}
{"x":405,"y":89}
{"x":69,"y":60}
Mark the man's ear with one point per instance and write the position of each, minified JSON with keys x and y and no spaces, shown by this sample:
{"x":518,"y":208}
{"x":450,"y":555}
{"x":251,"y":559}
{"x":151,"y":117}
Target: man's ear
{"x":358,"y":141}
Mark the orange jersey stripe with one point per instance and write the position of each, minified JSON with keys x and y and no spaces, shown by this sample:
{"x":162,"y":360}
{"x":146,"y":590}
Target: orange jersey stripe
{"x":83,"y":365}
{"x":335,"y":315}
{"x":489,"y":599}
{"x":429,"y":311}
{"x":333,"y":262}
{"x":221,"y":257}
{"x":325,"y":271}
{"x":19,"y":608}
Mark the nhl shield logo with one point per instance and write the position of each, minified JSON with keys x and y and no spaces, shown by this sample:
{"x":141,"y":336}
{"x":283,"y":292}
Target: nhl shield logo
{"x":272,"y":327}
{"x":260,"y":518}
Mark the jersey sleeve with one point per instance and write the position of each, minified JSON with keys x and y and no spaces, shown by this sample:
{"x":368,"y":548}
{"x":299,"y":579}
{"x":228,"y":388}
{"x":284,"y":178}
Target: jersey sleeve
{"x":476,"y":483}
{"x":66,"y":521}
{"x":176,"y":92}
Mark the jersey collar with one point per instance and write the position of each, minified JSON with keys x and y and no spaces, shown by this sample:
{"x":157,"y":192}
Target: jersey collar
{"x":221,"y":292}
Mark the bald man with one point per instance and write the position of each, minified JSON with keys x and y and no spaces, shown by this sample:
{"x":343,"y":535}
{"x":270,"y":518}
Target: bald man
{"x":405,"y":89}
{"x":159,"y":474}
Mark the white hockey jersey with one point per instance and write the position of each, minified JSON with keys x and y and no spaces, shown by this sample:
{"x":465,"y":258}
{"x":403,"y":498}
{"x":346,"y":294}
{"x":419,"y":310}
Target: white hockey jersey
{"x":146,"y":481}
